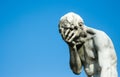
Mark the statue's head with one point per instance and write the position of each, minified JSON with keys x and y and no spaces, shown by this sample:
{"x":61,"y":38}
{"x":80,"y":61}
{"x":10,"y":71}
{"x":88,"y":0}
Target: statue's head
{"x":71,"y":24}
{"x":71,"y":20}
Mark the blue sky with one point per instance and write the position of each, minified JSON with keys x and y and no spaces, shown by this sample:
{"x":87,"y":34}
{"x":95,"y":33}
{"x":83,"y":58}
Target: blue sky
{"x":30,"y":44}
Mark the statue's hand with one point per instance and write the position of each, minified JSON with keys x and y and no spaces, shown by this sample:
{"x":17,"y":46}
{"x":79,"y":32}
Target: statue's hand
{"x":70,"y":35}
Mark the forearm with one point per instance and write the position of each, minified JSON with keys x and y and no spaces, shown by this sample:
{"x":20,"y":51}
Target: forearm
{"x":75,"y":62}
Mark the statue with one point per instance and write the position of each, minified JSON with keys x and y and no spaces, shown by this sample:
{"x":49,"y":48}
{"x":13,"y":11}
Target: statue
{"x":89,"y":48}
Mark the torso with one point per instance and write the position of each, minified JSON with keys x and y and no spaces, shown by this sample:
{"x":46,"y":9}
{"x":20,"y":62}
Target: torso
{"x":88,"y":55}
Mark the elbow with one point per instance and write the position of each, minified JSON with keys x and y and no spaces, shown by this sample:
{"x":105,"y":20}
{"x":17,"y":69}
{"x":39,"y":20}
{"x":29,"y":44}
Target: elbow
{"x":76,"y":71}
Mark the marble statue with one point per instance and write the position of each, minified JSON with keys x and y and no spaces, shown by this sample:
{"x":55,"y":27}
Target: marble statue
{"x":89,"y":48}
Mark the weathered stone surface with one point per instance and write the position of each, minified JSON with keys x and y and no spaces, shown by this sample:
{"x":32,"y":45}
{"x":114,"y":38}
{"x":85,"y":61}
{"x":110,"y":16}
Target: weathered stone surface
{"x":89,"y":47}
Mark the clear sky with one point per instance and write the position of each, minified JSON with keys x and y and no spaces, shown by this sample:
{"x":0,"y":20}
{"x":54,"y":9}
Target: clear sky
{"x":30,"y":44}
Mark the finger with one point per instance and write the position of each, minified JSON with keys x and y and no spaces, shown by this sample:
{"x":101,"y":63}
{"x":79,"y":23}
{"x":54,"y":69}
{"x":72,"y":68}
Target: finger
{"x":70,"y":35}
{"x":71,"y":39}
{"x":73,"y":42}
{"x":67,"y":31}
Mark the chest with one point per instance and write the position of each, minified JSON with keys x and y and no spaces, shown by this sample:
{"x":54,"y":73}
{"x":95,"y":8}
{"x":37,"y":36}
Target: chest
{"x":88,"y":51}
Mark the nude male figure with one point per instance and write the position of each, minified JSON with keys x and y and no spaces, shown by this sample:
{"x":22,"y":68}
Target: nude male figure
{"x":89,"y":47}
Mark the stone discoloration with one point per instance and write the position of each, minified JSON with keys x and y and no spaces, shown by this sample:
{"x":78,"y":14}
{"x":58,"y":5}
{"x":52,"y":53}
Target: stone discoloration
{"x":89,"y":48}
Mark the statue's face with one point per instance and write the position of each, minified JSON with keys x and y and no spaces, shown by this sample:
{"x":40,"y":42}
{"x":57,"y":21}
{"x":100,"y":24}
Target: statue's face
{"x":72,"y":32}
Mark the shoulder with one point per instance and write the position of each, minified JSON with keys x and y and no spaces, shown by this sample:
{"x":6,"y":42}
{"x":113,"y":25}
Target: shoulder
{"x":101,"y":39}
{"x":102,"y":36}
{"x":98,"y":33}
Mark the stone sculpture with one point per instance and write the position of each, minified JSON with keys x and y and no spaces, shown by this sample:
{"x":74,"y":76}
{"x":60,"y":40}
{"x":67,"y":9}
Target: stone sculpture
{"x":89,"y":48}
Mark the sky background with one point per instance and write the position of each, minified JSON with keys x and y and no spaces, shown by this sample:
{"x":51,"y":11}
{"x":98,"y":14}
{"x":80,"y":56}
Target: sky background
{"x":30,"y":44}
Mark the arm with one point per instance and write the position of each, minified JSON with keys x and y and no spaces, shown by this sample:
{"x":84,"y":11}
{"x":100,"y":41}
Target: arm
{"x":75,"y":61}
{"x":70,"y":34}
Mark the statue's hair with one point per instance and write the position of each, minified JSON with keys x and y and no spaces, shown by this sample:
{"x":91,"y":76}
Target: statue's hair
{"x":71,"y":17}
